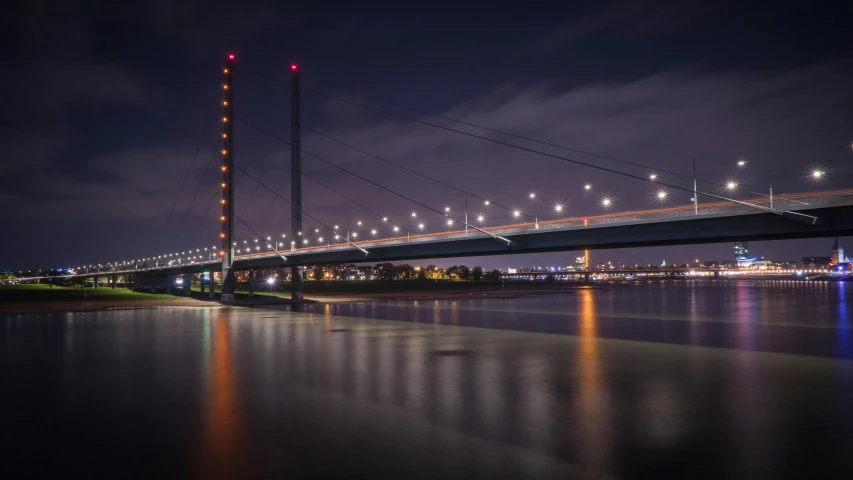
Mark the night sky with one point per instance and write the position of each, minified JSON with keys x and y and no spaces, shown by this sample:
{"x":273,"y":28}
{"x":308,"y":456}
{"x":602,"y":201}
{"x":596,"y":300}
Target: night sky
{"x":107,"y":106}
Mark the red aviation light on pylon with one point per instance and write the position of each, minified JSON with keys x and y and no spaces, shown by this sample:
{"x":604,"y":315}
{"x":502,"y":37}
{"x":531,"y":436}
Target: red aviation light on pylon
{"x":293,"y":66}
{"x":230,"y":56}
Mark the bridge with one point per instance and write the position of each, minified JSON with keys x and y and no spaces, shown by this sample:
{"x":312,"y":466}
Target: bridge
{"x":720,"y":219}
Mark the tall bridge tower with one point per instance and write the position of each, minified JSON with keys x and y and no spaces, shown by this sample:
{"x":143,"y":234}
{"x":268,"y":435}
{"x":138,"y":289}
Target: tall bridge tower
{"x":296,"y":280}
{"x":227,"y":217}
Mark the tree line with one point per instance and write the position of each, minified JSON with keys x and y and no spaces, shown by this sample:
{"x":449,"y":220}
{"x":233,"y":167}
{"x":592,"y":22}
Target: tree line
{"x":388,"y":271}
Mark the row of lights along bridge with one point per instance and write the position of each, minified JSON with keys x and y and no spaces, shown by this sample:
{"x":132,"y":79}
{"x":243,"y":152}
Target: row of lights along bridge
{"x":206,"y":254}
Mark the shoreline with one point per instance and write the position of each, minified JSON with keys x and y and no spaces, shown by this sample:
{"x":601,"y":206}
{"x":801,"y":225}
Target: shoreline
{"x":450,"y":292}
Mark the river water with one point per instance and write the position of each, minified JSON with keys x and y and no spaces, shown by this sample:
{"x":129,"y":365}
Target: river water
{"x":709,"y":379}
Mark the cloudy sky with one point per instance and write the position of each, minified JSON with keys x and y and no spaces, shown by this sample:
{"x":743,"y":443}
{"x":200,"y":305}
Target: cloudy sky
{"x":110,"y":107}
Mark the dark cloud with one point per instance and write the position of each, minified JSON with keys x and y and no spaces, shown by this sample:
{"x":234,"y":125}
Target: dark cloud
{"x":623,"y":19}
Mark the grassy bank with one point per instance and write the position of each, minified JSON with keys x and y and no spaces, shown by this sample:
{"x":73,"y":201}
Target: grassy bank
{"x":44,"y":293}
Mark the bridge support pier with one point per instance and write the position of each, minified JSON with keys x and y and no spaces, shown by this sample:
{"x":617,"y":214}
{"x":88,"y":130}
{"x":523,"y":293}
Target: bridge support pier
{"x":212,"y":285}
{"x":201,"y":283}
{"x":188,"y":281}
{"x":251,"y":283}
{"x":114,"y":280}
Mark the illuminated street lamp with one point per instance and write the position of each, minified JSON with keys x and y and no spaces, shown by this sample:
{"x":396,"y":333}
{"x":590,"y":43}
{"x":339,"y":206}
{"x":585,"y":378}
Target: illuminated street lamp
{"x":587,"y":187}
{"x":817,"y":174}
{"x":535,"y":211}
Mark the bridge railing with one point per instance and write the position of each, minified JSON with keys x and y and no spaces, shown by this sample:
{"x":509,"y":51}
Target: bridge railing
{"x":781,"y":202}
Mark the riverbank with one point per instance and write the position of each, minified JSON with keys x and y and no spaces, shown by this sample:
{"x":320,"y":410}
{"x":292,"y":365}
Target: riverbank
{"x":17,"y":299}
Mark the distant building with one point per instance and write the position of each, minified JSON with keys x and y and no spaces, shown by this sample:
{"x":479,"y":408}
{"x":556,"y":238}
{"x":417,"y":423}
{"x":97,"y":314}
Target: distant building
{"x":838,"y":253}
{"x":811,"y":263}
{"x":741,"y":250}
{"x":742,"y":254}
{"x":711,"y":264}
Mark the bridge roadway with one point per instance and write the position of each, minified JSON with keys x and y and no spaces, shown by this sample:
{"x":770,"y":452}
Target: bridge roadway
{"x":715,"y":222}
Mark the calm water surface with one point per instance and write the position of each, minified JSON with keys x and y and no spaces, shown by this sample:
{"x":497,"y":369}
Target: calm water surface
{"x":698,"y":380}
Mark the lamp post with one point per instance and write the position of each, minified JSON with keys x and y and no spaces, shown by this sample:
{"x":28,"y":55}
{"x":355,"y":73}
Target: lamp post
{"x":695,"y":190}
{"x":535,"y":210}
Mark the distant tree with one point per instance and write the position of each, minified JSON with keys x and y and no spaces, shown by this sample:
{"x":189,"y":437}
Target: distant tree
{"x":493,"y":275}
{"x":477,"y":273}
{"x":384,"y":271}
{"x":405,"y":271}
{"x":317,"y":274}
{"x":422,"y":274}
{"x":463,"y":272}
{"x":452,"y":272}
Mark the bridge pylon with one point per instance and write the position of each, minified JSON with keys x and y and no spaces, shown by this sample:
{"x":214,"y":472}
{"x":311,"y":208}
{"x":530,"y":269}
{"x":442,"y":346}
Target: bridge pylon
{"x":296,"y":280}
{"x":227,"y":217}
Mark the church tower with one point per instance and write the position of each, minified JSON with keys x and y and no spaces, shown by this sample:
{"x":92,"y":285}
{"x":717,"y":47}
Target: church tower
{"x":838,"y":252}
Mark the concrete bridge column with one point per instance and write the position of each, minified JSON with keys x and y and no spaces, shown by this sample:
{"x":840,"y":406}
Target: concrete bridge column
{"x":201,"y":283}
{"x":251,"y":283}
{"x":188,"y":279}
{"x":212,"y":285}
{"x":114,"y":281}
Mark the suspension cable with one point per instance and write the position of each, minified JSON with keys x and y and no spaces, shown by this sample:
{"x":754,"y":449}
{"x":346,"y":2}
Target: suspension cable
{"x":446,"y":214}
{"x":294,"y":206}
{"x":567,"y":159}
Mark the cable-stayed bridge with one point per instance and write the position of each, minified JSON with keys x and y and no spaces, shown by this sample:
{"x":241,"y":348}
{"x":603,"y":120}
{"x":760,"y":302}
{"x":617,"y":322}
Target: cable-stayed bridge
{"x":312,"y":239}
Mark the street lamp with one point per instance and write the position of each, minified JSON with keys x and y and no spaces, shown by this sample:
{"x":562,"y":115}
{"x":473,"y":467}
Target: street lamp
{"x":535,"y":211}
{"x":558,"y":208}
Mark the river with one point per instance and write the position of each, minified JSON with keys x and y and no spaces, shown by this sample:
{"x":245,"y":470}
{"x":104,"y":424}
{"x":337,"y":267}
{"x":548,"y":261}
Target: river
{"x":699,"y":379}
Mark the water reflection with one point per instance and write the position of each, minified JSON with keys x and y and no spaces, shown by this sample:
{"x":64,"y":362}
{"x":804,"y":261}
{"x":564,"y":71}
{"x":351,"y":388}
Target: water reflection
{"x":251,"y":392}
{"x":224,"y":432}
{"x":592,"y":403}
